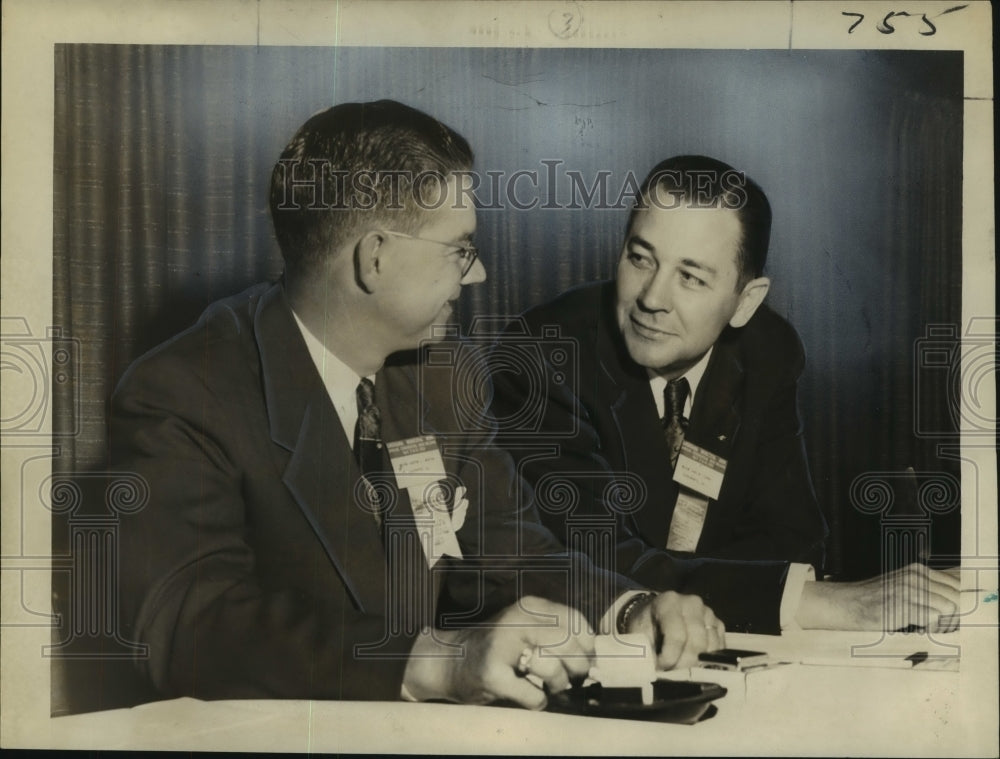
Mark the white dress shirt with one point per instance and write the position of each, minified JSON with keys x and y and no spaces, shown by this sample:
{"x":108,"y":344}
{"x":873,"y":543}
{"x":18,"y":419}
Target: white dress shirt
{"x":692,"y":375}
{"x":340,"y":381}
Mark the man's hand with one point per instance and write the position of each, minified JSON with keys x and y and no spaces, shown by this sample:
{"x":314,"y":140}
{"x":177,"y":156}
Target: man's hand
{"x":535,"y":637}
{"x":912,"y":596}
{"x":680,"y":627}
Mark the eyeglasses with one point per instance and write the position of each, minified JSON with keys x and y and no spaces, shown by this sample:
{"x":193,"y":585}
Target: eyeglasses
{"x":467,"y":254}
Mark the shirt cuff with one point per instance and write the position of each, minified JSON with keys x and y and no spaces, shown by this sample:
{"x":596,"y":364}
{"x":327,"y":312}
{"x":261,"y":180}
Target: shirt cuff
{"x":405,"y":695}
{"x":795,"y":580}
{"x":609,"y":622}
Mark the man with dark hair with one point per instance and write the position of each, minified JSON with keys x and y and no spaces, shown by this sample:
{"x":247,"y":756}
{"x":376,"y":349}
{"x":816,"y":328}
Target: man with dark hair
{"x":692,"y":317}
{"x":316,"y":527}
{"x":686,"y":384}
{"x":702,"y":182}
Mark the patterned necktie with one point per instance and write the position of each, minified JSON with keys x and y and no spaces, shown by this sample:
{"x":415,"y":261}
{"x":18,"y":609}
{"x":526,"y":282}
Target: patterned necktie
{"x":674,"y":422}
{"x":368,"y":442}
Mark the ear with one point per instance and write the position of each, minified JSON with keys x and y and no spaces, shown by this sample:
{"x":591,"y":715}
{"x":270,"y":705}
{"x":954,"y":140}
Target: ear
{"x":368,"y":260}
{"x":750,"y":299}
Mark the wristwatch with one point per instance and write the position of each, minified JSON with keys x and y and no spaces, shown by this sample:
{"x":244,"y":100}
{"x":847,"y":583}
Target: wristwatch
{"x":635,"y":604}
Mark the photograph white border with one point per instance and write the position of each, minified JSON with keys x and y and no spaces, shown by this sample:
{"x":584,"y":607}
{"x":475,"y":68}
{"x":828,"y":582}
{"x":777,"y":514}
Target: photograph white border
{"x":32,"y":27}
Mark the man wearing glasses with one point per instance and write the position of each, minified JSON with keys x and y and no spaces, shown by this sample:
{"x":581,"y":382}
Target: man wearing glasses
{"x":313,"y":519}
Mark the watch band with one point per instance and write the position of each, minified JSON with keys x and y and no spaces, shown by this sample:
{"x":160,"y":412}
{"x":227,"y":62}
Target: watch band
{"x":634,"y":604}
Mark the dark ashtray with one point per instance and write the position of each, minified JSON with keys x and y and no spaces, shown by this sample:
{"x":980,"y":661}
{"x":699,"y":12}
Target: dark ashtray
{"x":680,"y":701}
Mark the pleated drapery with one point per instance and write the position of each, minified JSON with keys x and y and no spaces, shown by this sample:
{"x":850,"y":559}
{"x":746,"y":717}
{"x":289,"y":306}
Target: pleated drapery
{"x":159,"y":206}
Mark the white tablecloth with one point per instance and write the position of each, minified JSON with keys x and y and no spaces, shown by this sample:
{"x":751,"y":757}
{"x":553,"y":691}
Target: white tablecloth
{"x":836,"y":705}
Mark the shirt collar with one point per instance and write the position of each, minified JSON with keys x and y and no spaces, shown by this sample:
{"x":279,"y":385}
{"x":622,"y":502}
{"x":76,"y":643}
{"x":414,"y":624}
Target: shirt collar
{"x":692,"y":375}
{"x":340,"y":381}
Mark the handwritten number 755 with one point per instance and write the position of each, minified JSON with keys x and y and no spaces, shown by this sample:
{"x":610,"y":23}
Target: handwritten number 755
{"x":885,"y":27}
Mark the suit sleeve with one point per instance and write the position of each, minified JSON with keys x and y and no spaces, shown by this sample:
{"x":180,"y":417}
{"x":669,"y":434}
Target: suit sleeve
{"x":587,"y":505}
{"x":190,"y":589}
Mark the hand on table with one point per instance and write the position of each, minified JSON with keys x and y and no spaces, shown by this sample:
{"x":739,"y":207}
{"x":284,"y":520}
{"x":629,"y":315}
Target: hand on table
{"x":535,"y":637}
{"x":680,"y":627}
{"x":911,"y":596}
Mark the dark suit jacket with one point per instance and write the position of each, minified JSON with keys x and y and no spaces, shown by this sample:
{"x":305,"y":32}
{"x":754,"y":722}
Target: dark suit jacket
{"x":601,"y":416}
{"x":253,"y":571}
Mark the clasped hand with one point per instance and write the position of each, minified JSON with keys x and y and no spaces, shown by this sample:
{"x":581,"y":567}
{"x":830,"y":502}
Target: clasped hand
{"x":537,"y":647}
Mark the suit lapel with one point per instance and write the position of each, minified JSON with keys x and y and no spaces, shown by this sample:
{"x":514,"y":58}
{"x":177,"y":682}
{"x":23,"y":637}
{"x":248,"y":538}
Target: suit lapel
{"x":640,"y":435}
{"x":406,"y":416}
{"x":321,"y":472}
{"x":646,"y":454}
{"x":715,"y":417}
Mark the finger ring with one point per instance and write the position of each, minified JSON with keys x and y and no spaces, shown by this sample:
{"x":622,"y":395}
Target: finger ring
{"x":524,"y":661}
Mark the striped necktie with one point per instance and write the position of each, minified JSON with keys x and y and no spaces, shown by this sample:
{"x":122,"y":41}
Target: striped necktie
{"x":368,"y":442}
{"x":674,"y":422}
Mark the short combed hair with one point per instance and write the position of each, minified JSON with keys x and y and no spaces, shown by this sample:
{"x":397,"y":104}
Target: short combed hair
{"x":354,"y":167}
{"x":703,"y":182}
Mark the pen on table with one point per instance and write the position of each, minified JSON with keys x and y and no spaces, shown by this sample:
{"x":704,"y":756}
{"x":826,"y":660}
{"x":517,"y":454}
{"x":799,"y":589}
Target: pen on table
{"x":884,"y":662}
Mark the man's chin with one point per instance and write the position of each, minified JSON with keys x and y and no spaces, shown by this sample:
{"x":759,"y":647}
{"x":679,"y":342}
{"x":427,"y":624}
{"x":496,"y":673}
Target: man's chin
{"x":444,"y":326}
{"x":446,"y":316}
{"x":646,"y":353}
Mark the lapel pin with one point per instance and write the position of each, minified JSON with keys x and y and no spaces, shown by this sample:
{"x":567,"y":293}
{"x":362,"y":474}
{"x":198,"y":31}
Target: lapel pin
{"x":722,"y":438}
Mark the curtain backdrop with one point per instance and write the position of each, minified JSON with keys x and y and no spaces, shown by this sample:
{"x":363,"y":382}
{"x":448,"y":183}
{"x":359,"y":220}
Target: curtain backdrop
{"x":163,"y":154}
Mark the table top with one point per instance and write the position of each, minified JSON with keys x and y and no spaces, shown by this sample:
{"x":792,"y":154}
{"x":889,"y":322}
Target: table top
{"x":843,"y":693}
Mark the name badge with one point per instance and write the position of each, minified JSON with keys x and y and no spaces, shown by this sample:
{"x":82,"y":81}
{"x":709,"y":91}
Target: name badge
{"x":419,"y":469}
{"x":687,"y":521}
{"x":700,"y":470}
